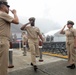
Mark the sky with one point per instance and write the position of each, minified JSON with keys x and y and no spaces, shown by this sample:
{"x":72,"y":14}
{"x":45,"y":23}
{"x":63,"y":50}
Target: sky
{"x":46,"y":11}
{"x":58,"y":10}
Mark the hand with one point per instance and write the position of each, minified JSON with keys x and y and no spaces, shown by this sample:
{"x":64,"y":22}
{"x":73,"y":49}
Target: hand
{"x":13,"y":11}
{"x":64,"y":26}
{"x":31,"y":22}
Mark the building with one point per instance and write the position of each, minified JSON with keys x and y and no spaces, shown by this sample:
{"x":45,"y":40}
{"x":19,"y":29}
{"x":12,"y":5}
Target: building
{"x":57,"y":37}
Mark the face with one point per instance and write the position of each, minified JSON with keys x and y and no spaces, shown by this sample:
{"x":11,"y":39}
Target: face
{"x":6,"y":8}
{"x":69,"y":25}
{"x":31,"y":21}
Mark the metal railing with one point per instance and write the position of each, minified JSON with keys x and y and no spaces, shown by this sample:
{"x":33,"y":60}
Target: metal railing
{"x":55,"y":47}
{"x":52,"y":47}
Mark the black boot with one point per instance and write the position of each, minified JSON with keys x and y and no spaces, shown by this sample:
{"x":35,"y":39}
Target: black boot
{"x":72,"y":66}
{"x":35,"y":68}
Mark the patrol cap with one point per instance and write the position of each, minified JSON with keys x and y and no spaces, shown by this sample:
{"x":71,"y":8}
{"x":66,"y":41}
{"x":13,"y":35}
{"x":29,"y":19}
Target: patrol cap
{"x":4,"y":2}
{"x":32,"y":18}
{"x":70,"y":22}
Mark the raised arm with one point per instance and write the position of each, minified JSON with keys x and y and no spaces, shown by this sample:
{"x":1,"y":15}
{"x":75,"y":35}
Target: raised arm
{"x":15,"y":20}
{"x":62,"y":31}
{"x":23,"y":27}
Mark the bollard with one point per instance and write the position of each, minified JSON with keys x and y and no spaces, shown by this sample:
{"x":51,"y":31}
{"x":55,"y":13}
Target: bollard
{"x":20,"y":45}
{"x":10,"y":57}
{"x":40,"y":49}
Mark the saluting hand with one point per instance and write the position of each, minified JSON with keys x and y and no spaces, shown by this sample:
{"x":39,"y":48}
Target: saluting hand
{"x":13,"y":11}
{"x":31,"y":21}
{"x":64,"y":26}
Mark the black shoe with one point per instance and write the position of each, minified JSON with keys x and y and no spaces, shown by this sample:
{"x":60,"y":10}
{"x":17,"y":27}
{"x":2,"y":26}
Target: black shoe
{"x":72,"y":66}
{"x":69,"y":66}
{"x":35,"y":68}
{"x":11,"y":66}
{"x":32,"y":64}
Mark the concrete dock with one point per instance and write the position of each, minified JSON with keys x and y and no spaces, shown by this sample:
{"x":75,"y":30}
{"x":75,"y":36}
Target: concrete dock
{"x":50,"y":65}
